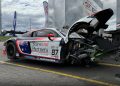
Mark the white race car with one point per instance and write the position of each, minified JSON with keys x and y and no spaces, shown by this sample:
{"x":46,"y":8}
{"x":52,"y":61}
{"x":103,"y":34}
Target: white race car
{"x":79,"y":44}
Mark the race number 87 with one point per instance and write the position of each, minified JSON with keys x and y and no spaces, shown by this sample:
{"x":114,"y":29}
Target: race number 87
{"x":54,"y":51}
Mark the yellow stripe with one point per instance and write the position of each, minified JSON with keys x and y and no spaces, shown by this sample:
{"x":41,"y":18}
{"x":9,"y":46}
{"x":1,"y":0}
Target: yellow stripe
{"x":107,"y":64}
{"x":63,"y":74}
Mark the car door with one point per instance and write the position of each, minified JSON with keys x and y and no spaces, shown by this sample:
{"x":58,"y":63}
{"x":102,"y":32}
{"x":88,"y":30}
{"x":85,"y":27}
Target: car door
{"x":46,"y":44}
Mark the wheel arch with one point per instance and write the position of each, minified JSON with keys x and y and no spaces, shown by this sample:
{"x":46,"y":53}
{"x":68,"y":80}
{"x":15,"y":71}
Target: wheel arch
{"x":13,"y":41}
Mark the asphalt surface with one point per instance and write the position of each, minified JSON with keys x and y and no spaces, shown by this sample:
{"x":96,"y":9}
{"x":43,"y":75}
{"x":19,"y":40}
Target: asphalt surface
{"x":36,"y":73}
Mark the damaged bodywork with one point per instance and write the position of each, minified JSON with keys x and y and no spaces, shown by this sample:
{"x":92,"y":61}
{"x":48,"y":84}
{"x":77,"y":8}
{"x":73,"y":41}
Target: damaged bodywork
{"x":80,"y":44}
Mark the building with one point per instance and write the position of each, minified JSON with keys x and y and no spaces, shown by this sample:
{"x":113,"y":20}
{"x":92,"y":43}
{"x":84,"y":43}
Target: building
{"x":63,"y":13}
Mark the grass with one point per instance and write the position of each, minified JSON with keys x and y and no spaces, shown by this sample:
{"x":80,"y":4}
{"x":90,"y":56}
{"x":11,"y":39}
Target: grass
{"x":4,"y":38}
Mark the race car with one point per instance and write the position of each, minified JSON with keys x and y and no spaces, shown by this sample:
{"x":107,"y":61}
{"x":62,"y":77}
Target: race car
{"x":78,"y":45}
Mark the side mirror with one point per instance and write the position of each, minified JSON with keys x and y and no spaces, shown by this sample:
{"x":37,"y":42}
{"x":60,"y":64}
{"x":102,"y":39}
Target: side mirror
{"x":49,"y":36}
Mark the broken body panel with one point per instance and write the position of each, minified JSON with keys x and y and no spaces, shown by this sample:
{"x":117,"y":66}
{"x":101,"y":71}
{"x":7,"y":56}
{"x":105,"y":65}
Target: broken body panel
{"x":52,"y":45}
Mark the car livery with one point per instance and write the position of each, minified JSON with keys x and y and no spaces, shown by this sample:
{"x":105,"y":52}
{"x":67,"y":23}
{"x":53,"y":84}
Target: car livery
{"x":77,"y":45}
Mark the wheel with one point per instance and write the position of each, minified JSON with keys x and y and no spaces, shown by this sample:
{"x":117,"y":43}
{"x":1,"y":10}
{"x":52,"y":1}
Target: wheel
{"x":11,"y":50}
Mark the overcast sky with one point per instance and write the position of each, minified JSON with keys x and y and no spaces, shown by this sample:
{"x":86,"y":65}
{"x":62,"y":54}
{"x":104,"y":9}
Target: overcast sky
{"x":26,"y":10}
{"x":33,"y":9}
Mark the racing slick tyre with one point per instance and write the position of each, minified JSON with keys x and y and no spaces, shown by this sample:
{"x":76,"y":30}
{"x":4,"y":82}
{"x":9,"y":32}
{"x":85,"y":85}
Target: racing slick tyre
{"x":11,"y":51}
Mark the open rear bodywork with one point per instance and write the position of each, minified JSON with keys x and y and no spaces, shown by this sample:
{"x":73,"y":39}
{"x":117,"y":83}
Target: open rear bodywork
{"x":89,"y":44}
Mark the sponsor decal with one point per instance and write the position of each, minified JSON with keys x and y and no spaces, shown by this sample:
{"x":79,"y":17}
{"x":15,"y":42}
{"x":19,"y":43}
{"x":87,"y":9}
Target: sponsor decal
{"x":45,"y":49}
{"x":40,"y":50}
{"x":39,"y":47}
{"x":39,"y":43}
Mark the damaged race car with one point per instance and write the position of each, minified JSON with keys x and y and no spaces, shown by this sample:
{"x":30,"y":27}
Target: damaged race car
{"x":78,"y":45}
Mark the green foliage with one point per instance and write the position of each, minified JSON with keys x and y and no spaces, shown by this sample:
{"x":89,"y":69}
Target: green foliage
{"x":4,"y":38}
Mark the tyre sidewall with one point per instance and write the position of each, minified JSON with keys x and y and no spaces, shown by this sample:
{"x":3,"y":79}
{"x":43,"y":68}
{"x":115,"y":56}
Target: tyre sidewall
{"x":11,"y":50}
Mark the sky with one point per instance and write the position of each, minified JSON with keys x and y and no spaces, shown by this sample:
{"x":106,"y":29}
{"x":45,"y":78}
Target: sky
{"x":26,"y":10}
{"x":32,"y":10}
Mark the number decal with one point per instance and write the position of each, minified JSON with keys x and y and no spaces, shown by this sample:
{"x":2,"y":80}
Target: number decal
{"x":54,"y":51}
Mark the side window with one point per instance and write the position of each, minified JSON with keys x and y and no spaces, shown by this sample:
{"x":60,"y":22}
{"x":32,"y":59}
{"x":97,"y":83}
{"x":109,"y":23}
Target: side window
{"x":33,"y":34}
{"x":24,"y":35}
{"x":44,"y":33}
{"x":28,"y":34}
{"x":52,"y":32}
{"x":41,"y":34}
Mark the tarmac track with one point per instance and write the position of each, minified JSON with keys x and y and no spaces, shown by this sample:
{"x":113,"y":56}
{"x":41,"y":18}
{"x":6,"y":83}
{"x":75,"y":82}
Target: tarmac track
{"x":36,"y":73}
